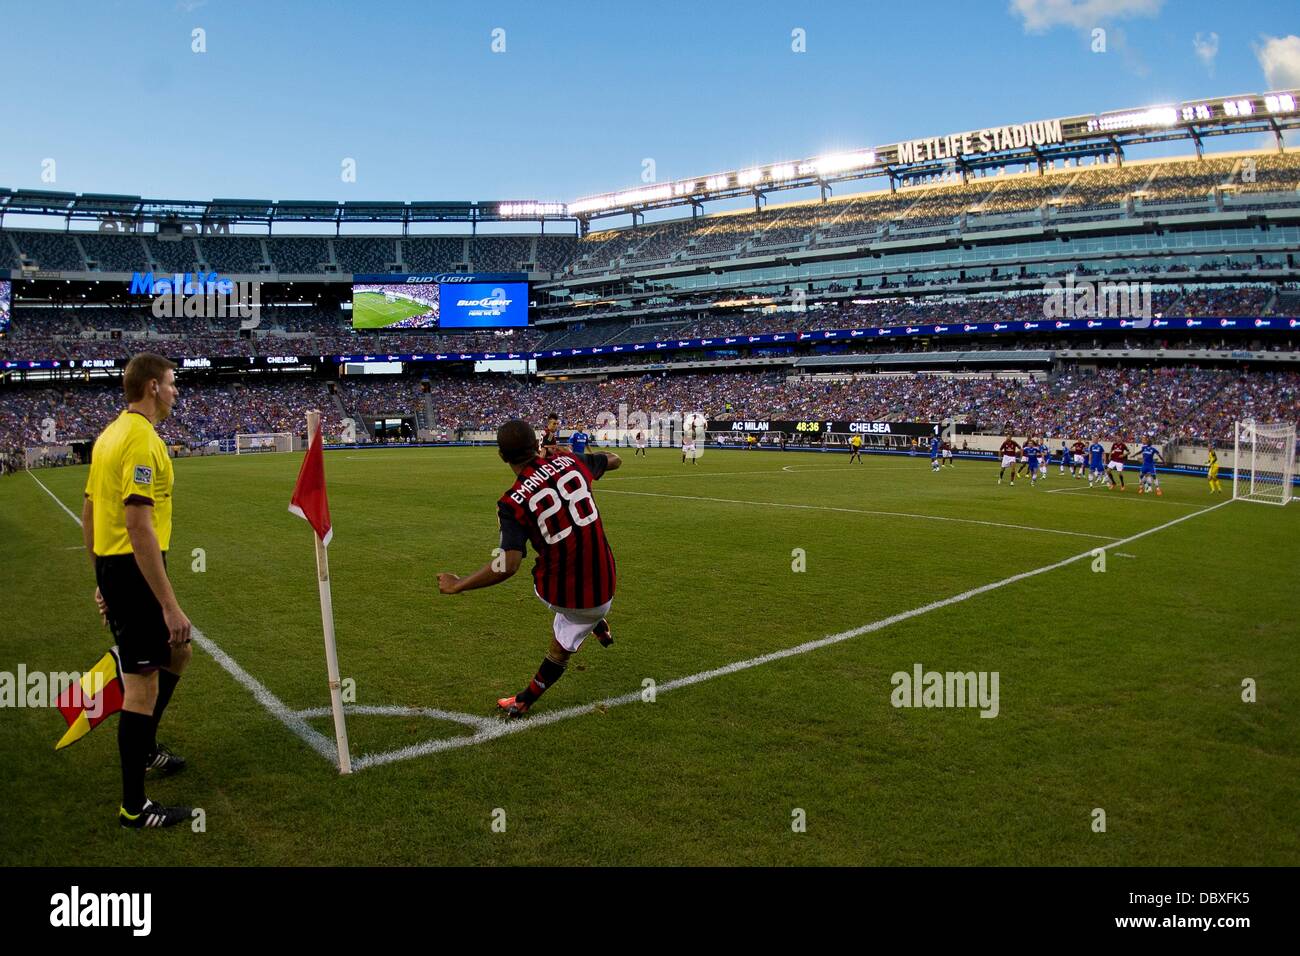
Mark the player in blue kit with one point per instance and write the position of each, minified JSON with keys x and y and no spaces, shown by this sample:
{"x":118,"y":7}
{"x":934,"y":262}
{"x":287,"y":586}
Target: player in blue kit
{"x":1096,"y":463}
{"x":1032,"y":451}
{"x":578,"y":441}
{"x":935,"y":446}
{"x":1065,"y":456}
{"x":1148,"y":480}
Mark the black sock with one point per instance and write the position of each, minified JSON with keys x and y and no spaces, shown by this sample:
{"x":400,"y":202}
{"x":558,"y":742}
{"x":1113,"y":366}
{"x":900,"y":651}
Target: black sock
{"x":546,"y":675}
{"x":167,"y":682}
{"x":133,"y":734}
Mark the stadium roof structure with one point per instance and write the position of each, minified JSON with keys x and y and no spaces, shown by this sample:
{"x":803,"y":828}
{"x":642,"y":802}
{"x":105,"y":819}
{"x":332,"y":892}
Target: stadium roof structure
{"x":1035,"y":143}
{"x":1039,"y":143}
{"x":134,"y":211}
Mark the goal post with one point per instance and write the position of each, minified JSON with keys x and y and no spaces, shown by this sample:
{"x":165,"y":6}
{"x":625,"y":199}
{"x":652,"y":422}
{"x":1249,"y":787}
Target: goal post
{"x":1263,"y":462}
{"x":262,"y":442}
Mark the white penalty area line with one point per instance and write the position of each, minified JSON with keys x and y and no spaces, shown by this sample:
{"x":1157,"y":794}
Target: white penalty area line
{"x":294,"y":721}
{"x":863,"y":511}
{"x":492,"y":729}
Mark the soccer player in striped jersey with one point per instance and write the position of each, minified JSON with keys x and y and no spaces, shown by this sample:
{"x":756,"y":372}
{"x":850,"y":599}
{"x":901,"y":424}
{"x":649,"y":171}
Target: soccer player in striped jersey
{"x":1076,"y":453}
{"x":1009,"y":451}
{"x":551,"y":436}
{"x":1115,"y":467}
{"x":551,"y":505}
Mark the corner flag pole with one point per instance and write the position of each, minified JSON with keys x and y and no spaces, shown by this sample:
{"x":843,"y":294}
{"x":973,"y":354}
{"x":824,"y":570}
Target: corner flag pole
{"x":327,"y":624}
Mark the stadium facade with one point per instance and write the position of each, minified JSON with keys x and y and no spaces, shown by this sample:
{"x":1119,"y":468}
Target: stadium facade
{"x":1039,"y":252}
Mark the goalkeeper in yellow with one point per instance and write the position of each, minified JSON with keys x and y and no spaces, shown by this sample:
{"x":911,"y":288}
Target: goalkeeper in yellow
{"x":1213,"y":463}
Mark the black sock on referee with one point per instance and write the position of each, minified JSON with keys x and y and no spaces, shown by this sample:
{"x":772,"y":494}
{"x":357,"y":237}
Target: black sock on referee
{"x":134,"y":732}
{"x":546,"y":675}
{"x":167,"y":682}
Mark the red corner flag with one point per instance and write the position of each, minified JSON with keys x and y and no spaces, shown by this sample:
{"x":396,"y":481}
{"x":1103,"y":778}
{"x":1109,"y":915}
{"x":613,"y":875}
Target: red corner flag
{"x":309,"y":500}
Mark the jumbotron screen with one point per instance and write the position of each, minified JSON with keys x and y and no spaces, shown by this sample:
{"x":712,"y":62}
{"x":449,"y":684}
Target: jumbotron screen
{"x":457,"y":300}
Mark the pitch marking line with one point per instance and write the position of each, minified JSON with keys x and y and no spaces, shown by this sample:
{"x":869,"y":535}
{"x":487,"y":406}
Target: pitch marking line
{"x":860,"y":511}
{"x":490,"y":729}
{"x":308,"y":734}
{"x":1117,"y":497}
{"x":493,"y":729}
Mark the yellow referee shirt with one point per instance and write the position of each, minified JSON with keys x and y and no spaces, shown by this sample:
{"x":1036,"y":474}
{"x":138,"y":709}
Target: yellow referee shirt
{"x":129,"y":465}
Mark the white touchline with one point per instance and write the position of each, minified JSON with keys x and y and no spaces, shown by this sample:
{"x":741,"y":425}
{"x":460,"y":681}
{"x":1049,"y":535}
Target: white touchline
{"x":309,"y":735}
{"x":502,"y":728}
{"x":861,"y":511}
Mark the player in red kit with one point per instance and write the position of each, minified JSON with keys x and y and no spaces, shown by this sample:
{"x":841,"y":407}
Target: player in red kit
{"x":1118,"y":453}
{"x":551,"y":505}
{"x":1009,"y":450}
{"x":1077,"y":451}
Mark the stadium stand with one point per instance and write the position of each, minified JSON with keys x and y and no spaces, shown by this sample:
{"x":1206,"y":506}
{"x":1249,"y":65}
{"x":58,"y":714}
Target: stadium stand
{"x":1185,"y":404}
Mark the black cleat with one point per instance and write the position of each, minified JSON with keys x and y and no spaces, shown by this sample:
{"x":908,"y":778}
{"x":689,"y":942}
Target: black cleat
{"x":153,"y":816}
{"x":163,"y":763}
{"x":603,"y":633}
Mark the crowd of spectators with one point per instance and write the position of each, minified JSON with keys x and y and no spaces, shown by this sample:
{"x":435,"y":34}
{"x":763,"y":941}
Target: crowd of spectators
{"x":1188,"y":404}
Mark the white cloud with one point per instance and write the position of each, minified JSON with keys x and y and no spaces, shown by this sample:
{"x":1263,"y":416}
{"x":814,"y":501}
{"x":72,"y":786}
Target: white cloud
{"x":1207,"y":48}
{"x":1040,"y":16}
{"x":1279,"y":58}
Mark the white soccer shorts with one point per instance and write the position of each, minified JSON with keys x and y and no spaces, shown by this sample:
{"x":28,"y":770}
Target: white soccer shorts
{"x":1115,"y":465}
{"x":572,"y":625}
{"x":1008,"y":461}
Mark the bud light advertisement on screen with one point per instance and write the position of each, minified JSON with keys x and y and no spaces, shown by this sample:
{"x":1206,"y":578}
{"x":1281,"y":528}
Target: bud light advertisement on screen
{"x":484,"y":304}
{"x":449,"y":300}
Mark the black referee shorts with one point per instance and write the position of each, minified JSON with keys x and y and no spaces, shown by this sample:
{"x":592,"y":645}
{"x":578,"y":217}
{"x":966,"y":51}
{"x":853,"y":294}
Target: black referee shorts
{"x":134,"y":615}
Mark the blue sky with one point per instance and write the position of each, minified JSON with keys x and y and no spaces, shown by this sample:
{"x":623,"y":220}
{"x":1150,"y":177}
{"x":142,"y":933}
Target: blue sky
{"x":582,"y":94}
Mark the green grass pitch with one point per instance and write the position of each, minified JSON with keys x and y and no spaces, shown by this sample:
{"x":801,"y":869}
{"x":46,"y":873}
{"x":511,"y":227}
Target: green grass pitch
{"x":370,"y":310}
{"x":1119,"y":690}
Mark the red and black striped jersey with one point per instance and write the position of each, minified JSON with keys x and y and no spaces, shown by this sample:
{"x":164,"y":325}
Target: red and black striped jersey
{"x":551,"y":505}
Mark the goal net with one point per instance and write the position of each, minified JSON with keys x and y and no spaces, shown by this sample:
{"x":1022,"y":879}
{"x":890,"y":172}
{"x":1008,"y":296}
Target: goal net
{"x":263,"y":442}
{"x":1264,"y":462}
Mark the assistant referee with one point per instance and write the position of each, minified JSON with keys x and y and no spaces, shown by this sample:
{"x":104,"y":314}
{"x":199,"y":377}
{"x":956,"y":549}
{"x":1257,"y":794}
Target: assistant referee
{"x":126,"y":521}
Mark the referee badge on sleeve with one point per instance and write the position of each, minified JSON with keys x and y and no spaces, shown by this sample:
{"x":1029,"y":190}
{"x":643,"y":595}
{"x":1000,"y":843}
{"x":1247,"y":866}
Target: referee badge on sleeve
{"x":143,"y":475}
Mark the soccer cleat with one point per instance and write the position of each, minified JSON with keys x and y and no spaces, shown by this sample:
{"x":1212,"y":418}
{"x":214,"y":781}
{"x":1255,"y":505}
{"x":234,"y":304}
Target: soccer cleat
{"x":1159,"y":493}
{"x":603,"y":633}
{"x":164,"y":763}
{"x":153,"y":816}
{"x":512,"y":707}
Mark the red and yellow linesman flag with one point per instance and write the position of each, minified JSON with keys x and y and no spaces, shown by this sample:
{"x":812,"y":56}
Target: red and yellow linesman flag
{"x":92,"y":700}
{"x":309,"y":500}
